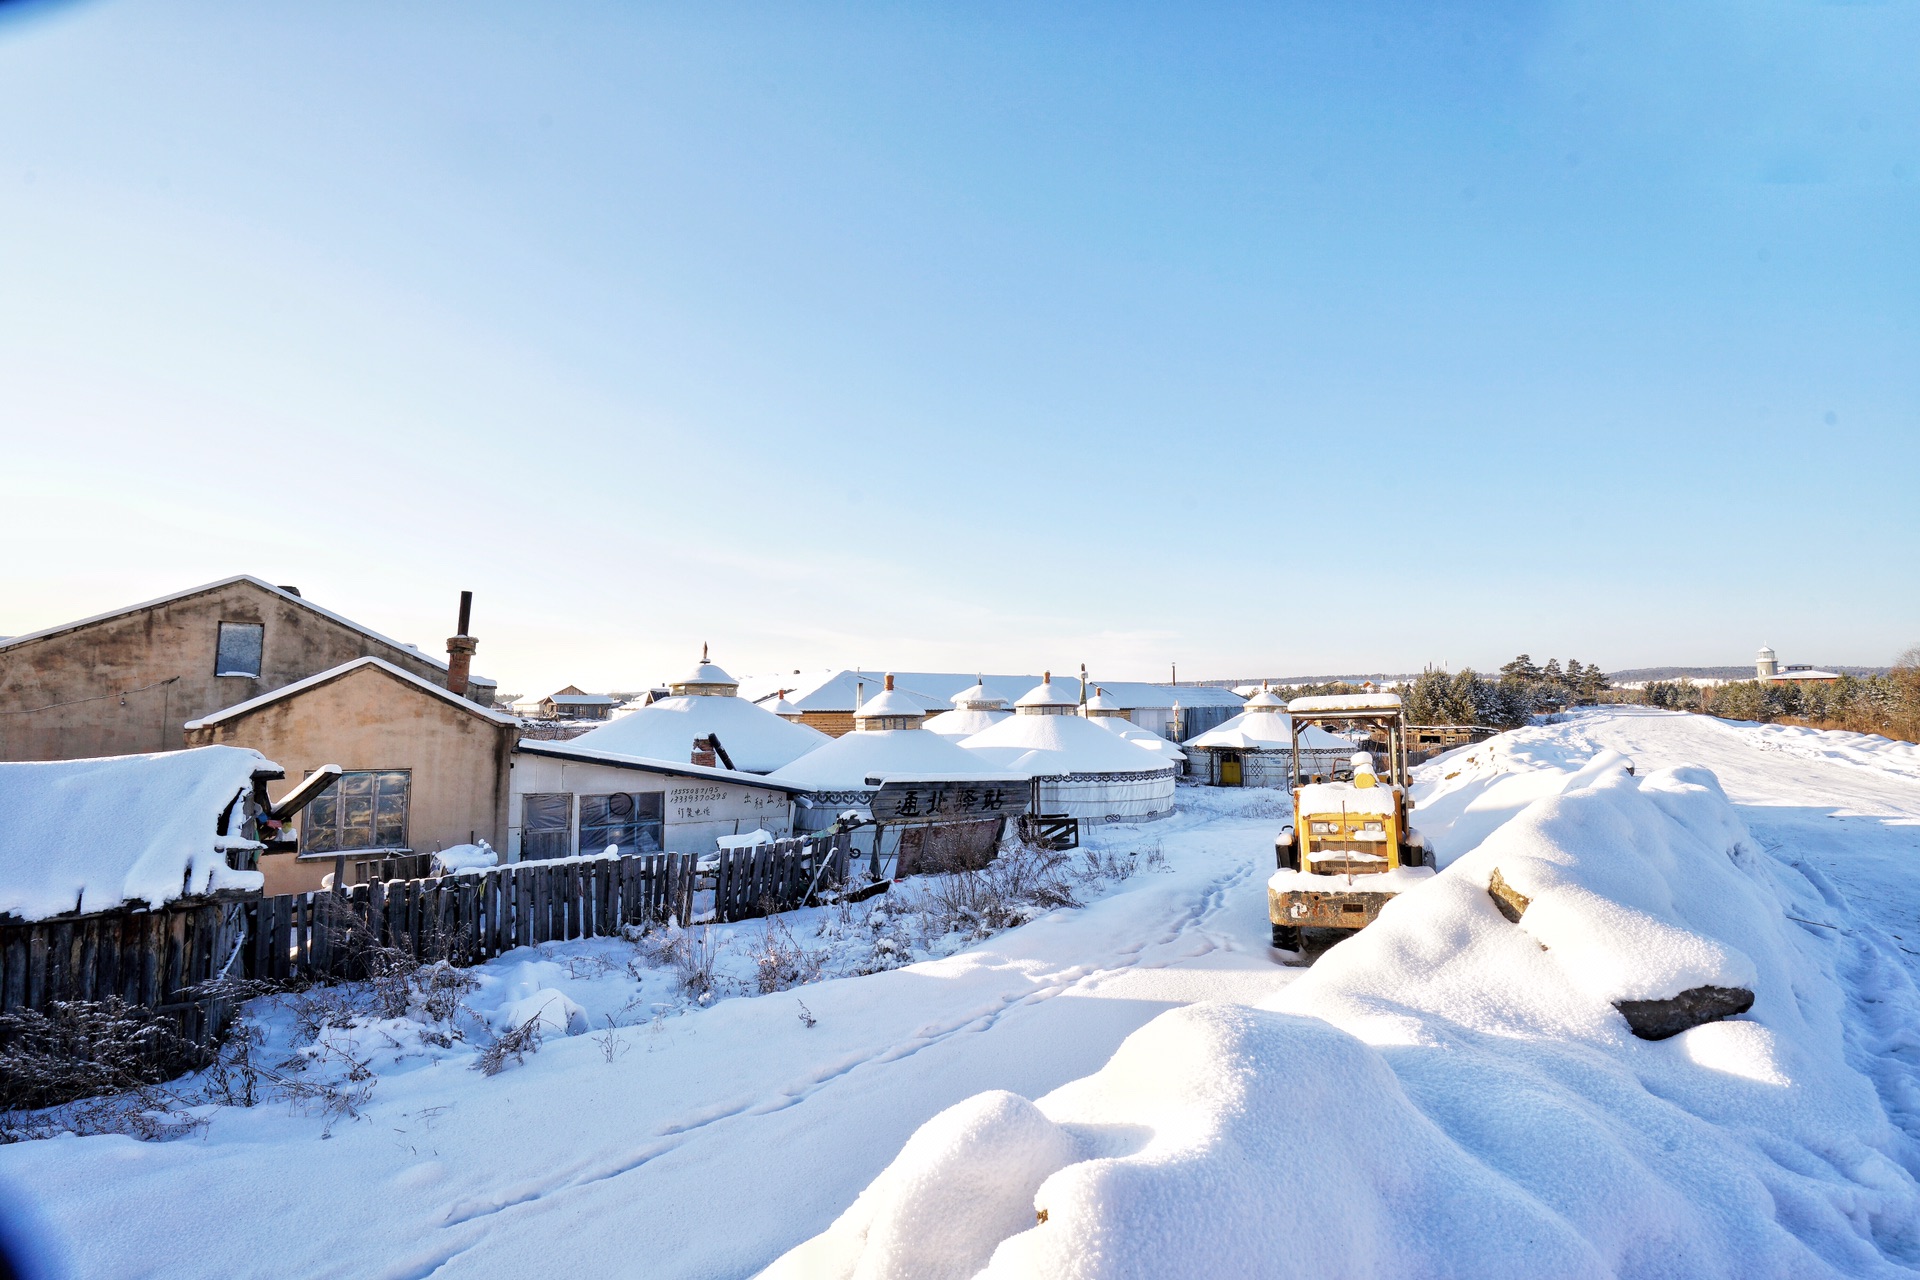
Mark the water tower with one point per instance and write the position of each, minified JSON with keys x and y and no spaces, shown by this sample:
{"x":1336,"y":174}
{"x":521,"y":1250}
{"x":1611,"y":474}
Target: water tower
{"x":1765,"y":666}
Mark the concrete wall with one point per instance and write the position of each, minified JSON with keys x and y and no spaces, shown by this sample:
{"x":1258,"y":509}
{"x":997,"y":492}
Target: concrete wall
{"x":459,"y":759}
{"x":130,"y":683}
{"x":695,"y":811}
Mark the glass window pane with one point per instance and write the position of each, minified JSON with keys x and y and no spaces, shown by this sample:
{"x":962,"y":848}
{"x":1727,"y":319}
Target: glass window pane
{"x":650,"y":805}
{"x":237,"y":652}
{"x":355,"y":784}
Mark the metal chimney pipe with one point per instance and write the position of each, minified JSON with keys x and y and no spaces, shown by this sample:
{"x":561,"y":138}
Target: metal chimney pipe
{"x":466,"y":611}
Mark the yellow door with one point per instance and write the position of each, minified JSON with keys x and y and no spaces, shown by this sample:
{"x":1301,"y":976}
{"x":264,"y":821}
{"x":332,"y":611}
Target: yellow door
{"x":1230,"y":771}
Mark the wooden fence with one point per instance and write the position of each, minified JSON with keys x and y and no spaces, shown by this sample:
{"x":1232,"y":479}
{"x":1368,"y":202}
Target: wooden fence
{"x":466,"y":919}
{"x":155,"y":958}
{"x":146,"y":958}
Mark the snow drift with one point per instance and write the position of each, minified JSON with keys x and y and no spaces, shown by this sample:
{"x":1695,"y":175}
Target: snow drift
{"x":1454,"y":1093}
{"x":89,"y":835}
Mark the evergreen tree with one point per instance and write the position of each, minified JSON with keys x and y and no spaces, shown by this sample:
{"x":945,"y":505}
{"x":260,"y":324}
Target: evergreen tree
{"x":1520,"y":669}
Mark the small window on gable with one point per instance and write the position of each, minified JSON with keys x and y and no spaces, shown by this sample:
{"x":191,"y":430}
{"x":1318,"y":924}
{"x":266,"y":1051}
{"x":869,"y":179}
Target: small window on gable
{"x":238,"y":653}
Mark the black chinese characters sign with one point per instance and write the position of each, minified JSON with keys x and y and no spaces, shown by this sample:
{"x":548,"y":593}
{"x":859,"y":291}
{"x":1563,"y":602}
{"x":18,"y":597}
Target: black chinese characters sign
{"x":948,"y":801}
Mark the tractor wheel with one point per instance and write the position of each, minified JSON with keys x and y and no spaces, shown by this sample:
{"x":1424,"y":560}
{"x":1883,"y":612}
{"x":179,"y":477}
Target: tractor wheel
{"x":1286,"y":937}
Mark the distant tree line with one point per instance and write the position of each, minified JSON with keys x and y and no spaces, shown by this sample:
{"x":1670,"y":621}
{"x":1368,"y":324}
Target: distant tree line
{"x":1886,"y":704}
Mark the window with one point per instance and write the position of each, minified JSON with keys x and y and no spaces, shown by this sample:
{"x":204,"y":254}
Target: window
{"x":361,"y":810}
{"x":546,"y":825}
{"x":238,"y":652}
{"x":631,"y":820}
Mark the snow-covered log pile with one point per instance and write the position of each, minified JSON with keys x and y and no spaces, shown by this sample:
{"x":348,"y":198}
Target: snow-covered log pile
{"x":1453,"y":1092}
{"x":91,"y":835}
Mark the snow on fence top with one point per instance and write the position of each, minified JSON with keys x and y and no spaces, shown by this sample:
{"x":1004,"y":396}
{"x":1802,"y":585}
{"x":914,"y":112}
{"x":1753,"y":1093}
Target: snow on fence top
{"x":1456,"y":1092}
{"x":93,"y":835}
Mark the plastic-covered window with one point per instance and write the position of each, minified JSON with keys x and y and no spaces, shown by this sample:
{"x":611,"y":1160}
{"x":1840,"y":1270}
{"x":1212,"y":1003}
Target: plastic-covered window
{"x":238,"y":651}
{"x":546,"y":825}
{"x":362,"y":810}
{"x":630,"y":820}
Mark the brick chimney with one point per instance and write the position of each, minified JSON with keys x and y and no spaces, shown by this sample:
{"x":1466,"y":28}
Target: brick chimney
{"x":703,"y":752}
{"x":460,"y":649}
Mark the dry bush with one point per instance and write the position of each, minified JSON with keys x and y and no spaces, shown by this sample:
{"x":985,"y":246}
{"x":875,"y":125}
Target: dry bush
{"x":692,"y":955}
{"x":509,"y":1048}
{"x":87,"y":1048}
{"x":780,"y":962}
{"x":1023,"y":882}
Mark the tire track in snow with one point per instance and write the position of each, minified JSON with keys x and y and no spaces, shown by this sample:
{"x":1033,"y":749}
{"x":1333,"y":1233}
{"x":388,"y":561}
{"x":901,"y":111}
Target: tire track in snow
{"x":979,"y":1019}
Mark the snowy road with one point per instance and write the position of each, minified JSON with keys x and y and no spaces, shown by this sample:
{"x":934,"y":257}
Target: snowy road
{"x":726,"y":1136}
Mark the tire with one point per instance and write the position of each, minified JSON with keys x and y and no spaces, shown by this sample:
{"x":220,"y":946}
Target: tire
{"x":1286,"y":937}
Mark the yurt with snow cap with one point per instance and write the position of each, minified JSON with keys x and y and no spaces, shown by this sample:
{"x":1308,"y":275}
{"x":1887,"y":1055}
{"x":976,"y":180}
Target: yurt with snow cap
{"x":1255,"y":748}
{"x":1105,"y":710}
{"x":974,"y":708}
{"x":1080,"y":769}
{"x":889,"y":739}
{"x":703,"y":709}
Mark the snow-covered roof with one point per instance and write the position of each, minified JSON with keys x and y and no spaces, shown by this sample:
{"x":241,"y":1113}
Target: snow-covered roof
{"x":890,"y":702}
{"x":1806,"y":674}
{"x":707,"y":673}
{"x":1263,"y":729}
{"x":1267,"y":698}
{"x":92,"y":835}
{"x":1101,"y":700}
{"x":572,"y":750}
{"x":264,"y":585}
{"x":1135,"y":695}
{"x":334,"y":673}
{"x":579,"y":700}
{"x":1146,"y":739}
{"x":1345,"y":702}
{"x":977,"y":697}
{"x":1049,"y":694}
{"x":964,"y":722}
{"x":1053,"y":745}
{"x":755,"y":739}
{"x":845,"y":763}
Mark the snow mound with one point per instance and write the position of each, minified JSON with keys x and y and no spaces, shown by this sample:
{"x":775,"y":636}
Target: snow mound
{"x":553,"y":1011}
{"x":465,"y":857}
{"x":964,"y":1181}
{"x":90,"y":835}
{"x":1451,"y":1093}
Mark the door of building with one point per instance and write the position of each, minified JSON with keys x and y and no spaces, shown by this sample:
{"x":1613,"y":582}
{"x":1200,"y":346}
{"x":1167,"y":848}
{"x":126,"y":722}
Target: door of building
{"x":1230,"y":771}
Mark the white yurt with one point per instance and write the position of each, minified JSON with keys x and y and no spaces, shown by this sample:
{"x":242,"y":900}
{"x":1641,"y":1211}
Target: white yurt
{"x":1105,"y":710}
{"x":1255,"y":748}
{"x":974,"y":709}
{"x":1080,"y":770}
{"x":704,"y":704}
{"x":888,"y":740}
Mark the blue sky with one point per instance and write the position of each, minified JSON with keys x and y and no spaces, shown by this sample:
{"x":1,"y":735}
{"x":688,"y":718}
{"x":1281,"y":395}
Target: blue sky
{"x":1278,"y":338}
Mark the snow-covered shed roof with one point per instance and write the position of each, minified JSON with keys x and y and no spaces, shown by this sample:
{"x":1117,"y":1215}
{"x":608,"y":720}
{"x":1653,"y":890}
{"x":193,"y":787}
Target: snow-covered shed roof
{"x":579,"y":699}
{"x":755,"y":739}
{"x":572,"y":750}
{"x":1264,"y":729}
{"x":1345,"y":702}
{"x":94,"y":835}
{"x":1101,"y":700}
{"x":1049,"y":746}
{"x":1135,"y":695}
{"x":334,"y":673}
{"x":281,"y":592}
{"x":846,"y":762}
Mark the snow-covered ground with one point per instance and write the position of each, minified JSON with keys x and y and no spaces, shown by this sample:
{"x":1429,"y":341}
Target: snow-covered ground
{"x":710,"y":1137}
